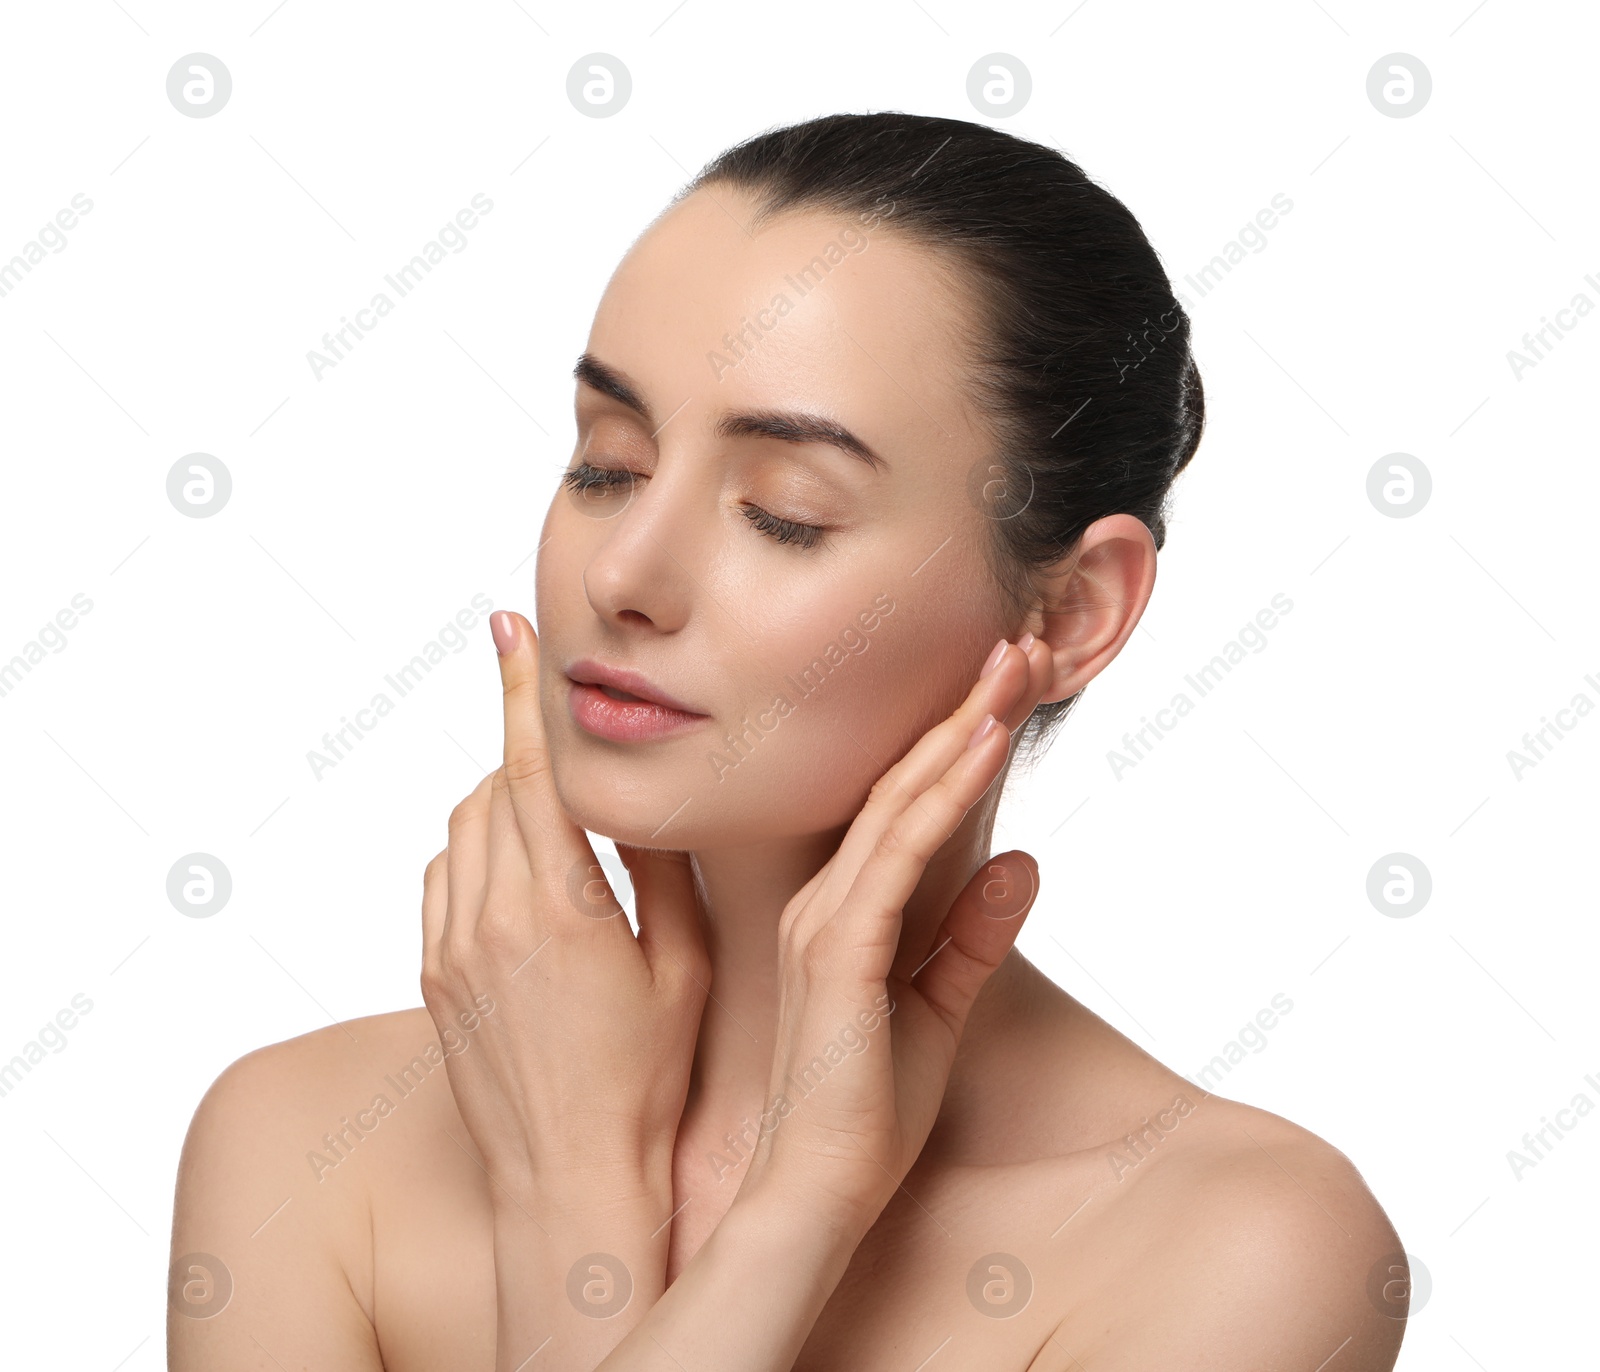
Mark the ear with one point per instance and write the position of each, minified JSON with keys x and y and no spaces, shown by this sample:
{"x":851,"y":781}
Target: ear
{"x":1086,"y":605}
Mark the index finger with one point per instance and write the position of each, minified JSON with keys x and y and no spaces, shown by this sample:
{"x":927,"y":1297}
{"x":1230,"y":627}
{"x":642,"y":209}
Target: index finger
{"x":557,"y":854}
{"x":526,"y":763}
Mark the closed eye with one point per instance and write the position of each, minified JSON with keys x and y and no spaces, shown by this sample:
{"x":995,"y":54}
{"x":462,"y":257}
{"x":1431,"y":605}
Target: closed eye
{"x":784,"y":530}
{"x":586,"y":477}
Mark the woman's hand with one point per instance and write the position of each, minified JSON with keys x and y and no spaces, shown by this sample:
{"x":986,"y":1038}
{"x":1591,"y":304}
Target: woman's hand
{"x":584,"y":1063}
{"x":867,"y":1034}
{"x":574,"y":1077}
{"x":868,"y":1023}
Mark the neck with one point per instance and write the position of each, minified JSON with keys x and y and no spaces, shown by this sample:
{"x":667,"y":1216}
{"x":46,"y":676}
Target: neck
{"x":743,"y":893}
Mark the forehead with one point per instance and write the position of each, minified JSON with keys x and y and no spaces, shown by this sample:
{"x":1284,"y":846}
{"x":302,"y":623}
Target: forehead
{"x":813,"y":311}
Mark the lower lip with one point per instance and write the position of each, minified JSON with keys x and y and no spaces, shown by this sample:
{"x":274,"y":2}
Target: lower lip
{"x":625,"y":721}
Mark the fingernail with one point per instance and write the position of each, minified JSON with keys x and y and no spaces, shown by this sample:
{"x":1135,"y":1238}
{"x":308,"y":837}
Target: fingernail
{"x":981,"y":732}
{"x":1025,"y":642}
{"x":504,"y":629}
{"x":994,"y":659}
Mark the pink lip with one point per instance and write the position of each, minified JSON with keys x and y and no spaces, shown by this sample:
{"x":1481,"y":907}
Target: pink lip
{"x":654,"y":715}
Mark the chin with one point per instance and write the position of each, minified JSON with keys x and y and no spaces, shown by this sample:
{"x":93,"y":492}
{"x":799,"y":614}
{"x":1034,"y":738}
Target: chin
{"x":590,"y":801}
{"x":627,"y":792}
{"x":669,"y":795}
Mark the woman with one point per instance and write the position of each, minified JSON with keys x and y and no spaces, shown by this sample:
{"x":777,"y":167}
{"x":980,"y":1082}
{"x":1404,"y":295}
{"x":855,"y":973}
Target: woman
{"x":876,"y":427}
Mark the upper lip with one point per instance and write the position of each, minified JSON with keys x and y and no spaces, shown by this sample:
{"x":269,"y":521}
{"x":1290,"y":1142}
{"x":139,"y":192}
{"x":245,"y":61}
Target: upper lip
{"x":589,"y":672}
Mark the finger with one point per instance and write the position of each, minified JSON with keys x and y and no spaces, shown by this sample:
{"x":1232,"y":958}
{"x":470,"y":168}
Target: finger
{"x":435,"y":898}
{"x":508,"y":916}
{"x":546,"y":829}
{"x":466,"y":863}
{"x":519,"y":905}
{"x":435,"y":895}
{"x":1014,"y":685}
{"x":1040,"y":663}
{"x":869,"y":915}
{"x":667,"y":907}
{"x":1002,"y":889}
{"x":508,"y":855}
{"x":563,"y":870}
{"x":978,"y":932}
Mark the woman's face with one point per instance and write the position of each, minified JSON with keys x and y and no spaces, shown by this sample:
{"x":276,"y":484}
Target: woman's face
{"x":675,"y":551}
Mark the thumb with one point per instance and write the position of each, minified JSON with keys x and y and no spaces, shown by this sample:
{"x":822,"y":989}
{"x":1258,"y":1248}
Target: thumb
{"x":977,"y":933}
{"x":668,"y":912}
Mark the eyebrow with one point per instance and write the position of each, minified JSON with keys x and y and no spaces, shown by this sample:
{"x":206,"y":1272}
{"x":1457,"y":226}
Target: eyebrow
{"x":789,"y":426}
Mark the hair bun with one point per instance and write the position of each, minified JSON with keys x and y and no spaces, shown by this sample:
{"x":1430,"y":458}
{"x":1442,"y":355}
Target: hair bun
{"x":1192,"y":421}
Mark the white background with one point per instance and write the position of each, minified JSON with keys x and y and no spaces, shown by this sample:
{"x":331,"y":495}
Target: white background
{"x":369,"y":506}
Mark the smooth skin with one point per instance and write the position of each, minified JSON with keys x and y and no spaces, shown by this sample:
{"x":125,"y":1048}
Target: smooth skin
{"x":838,"y":1155}
{"x":960,"y":1189}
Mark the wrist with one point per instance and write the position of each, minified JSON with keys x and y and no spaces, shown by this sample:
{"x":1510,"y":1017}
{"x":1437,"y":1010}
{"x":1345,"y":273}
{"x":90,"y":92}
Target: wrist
{"x":584,"y":1200}
{"x":770,"y":1231}
{"x":794,"y":1212}
{"x":581,"y":1182}
{"x":846,"y":1200}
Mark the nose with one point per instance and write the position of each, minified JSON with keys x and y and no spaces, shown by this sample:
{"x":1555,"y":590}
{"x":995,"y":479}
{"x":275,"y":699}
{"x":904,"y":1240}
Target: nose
{"x":640,"y":573}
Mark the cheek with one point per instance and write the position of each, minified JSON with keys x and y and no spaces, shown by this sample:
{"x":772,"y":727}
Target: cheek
{"x":858,"y":699}
{"x":838,"y":685}
{"x":555,"y":574}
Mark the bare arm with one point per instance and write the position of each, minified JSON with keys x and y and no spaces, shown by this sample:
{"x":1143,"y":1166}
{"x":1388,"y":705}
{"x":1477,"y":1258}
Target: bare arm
{"x":573,"y":1273}
{"x":582,"y":1040}
{"x":258,"y":1280}
{"x":748,"y":1300}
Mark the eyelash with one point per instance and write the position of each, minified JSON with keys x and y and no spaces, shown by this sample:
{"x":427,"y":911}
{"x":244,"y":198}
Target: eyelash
{"x":585,"y":477}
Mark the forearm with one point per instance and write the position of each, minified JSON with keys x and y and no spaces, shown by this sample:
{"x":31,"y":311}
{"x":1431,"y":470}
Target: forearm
{"x":750,"y":1296}
{"x":573,"y":1274}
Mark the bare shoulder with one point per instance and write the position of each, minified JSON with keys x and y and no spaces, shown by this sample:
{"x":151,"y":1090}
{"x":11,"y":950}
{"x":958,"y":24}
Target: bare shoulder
{"x":272,"y":1227}
{"x":1260,"y":1246}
